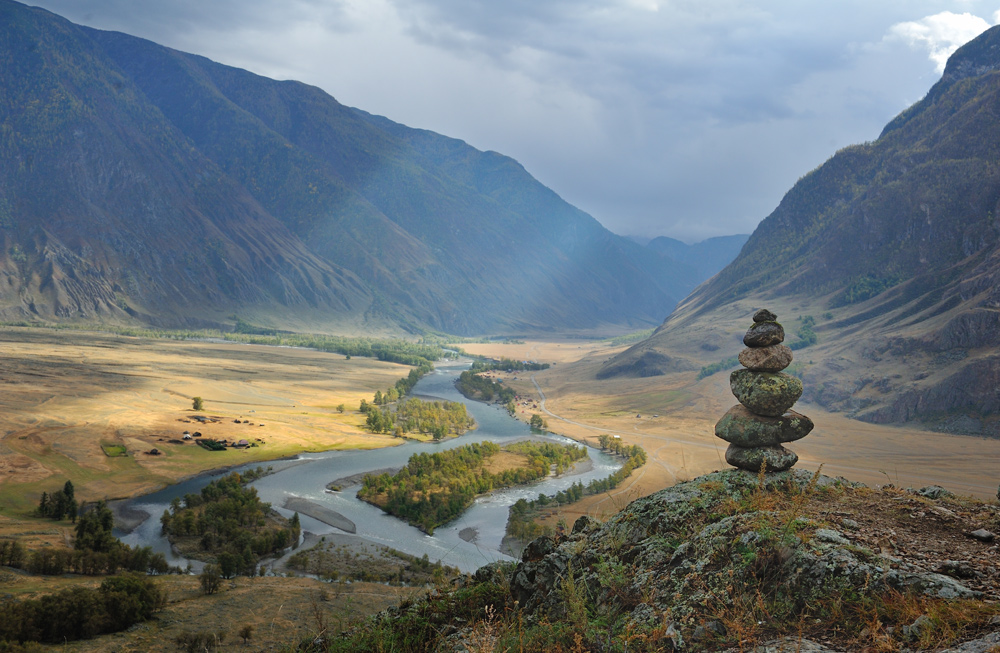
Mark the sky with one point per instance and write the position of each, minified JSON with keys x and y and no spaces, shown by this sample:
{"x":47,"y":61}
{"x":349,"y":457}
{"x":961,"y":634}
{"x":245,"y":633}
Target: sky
{"x":681,"y":118}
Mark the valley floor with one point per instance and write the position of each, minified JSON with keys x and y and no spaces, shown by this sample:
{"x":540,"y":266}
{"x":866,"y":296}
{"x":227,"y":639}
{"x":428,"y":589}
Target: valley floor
{"x":673,"y":418}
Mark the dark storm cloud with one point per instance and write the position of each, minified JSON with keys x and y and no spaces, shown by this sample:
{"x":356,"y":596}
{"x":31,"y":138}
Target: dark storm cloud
{"x":660,"y":117}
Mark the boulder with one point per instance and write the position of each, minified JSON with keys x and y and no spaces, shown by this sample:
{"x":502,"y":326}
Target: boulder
{"x":764,"y":334}
{"x":766,"y":359}
{"x":776,"y":458}
{"x":764,"y":393}
{"x":744,"y":429}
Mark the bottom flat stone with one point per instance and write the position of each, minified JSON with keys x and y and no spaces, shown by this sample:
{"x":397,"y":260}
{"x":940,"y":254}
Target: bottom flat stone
{"x":776,"y":459}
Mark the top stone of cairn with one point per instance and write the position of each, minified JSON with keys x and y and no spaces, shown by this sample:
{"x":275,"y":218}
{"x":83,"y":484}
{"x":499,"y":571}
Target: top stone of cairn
{"x":764,"y":315}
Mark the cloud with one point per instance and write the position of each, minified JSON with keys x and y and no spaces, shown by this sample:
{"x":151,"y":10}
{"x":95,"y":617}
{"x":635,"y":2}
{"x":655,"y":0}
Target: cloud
{"x":940,"y":34}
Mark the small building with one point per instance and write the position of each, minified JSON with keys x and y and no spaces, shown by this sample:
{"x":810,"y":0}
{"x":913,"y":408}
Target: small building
{"x":241,"y":444}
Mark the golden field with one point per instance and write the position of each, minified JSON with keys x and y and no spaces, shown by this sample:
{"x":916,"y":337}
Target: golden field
{"x":65,"y":393}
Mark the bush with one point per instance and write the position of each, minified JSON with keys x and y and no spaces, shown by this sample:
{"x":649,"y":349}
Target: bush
{"x":211,"y":579}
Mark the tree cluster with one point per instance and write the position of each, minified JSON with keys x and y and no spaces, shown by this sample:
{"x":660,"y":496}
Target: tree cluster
{"x":805,"y":333}
{"x":60,"y":504}
{"x":435,"y":488}
{"x":725,"y":364}
{"x":521,"y":524}
{"x":415,"y":416}
{"x":507,"y":365}
{"x":393,"y":351}
{"x":80,"y":613}
{"x":232,"y":524}
{"x":475,"y":386}
{"x":96,"y":551}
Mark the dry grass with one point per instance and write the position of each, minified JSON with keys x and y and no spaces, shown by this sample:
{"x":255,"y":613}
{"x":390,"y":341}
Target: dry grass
{"x":504,"y":461}
{"x":281,"y":611}
{"x":67,"y":393}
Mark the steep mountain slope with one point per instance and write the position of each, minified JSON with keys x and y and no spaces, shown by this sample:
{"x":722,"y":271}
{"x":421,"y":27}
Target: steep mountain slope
{"x":106,"y":210}
{"x":306,"y":201}
{"x":895,"y":244}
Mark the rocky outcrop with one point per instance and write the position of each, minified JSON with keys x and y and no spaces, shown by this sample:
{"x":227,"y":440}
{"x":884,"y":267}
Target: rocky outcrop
{"x":973,"y":390}
{"x":729,"y":561}
{"x":671,"y":562}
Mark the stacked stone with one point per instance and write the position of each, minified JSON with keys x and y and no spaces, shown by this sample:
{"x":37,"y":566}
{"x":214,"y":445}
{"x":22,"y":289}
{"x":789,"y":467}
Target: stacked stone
{"x":757,"y":427}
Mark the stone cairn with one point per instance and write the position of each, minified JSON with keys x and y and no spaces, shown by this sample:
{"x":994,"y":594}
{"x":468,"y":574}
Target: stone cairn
{"x":756,"y":427}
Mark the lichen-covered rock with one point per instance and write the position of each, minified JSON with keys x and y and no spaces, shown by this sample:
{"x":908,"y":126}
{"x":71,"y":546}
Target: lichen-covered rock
{"x":744,"y":429}
{"x":766,"y":359}
{"x":931,"y":584}
{"x":764,"y":393}
{"x":764,"y":334}
{"x":775,"y":458}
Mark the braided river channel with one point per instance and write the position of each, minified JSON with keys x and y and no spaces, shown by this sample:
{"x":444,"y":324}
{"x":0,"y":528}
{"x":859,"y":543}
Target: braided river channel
{"x":305,"y":478}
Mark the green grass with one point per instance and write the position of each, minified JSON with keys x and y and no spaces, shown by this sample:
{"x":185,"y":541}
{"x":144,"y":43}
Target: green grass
{"x":114,"y":450}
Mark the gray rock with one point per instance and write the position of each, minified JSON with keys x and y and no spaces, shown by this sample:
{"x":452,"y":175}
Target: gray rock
{"x":584,"y":524}
{"x":764,"y":315}
{"x":766,"y":359}
{"x":831,"y":536}
{"x":934,"y":492}
{"x":914,"y":630}
{"x":764,"y":393}
{"x":958,"y":569}
{"x":776,"y":458}
{"x":764,"y":334}
{"x":982,"y":535}
{"x":986,"y":644}
{"x":850,"y":523}
{"x":744,"y":429}
{"x":538,"y":549}
{"x":931,"y":584}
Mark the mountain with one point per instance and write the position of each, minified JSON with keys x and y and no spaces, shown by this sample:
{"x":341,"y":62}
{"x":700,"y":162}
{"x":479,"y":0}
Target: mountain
{"x":153,"y":185}
{"x":706,"y":257}
{"x":891,"y":249}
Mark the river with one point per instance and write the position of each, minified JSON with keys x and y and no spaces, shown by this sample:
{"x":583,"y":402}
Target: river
{"x":306,"y":478}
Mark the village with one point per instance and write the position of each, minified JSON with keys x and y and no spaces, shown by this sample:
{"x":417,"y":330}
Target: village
{"x":210,"y":444}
